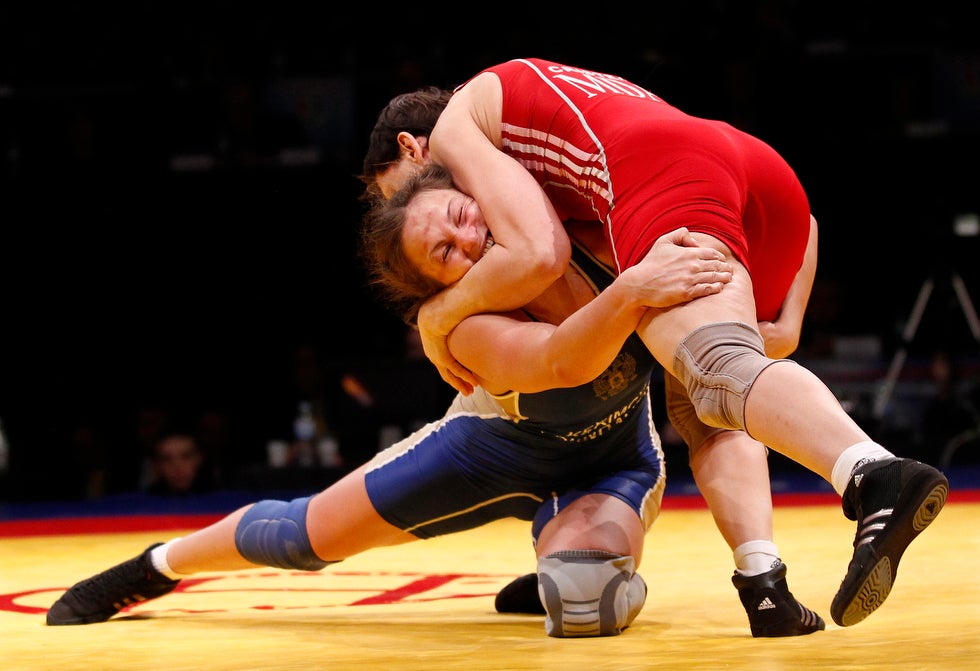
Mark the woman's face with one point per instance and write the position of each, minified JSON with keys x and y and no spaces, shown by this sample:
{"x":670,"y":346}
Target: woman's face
{"x":445,"y":234}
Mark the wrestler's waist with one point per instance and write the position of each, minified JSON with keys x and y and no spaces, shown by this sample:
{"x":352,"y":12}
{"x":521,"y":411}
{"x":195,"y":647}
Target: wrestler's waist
{"x":598,"y":428}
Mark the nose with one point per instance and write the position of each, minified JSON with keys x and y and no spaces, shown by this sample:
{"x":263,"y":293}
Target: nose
{"x":472,"y":231}
{"x":470,"y":240}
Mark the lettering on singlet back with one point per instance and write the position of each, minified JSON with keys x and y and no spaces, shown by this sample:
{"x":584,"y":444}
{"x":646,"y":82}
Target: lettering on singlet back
{"x":593,"y":83}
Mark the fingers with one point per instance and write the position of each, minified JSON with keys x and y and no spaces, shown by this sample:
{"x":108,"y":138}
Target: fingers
{"x":458,"y":383}
{"x":707,"y":289}
{"x":679,"y":236}
{"x":716,"y":276}
{"x":719,"y":265}
{"x":709,"y":254}
{"x":459,"y":378}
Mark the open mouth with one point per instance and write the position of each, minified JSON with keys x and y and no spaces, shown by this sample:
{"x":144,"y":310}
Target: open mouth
{"x":489,"y":243}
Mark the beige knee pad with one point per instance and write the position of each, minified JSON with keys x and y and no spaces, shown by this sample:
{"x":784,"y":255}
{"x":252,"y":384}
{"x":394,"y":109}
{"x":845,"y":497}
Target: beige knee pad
{"x":717,"y":364}
{"x":683,"y":416}
{"x":589,"y":593}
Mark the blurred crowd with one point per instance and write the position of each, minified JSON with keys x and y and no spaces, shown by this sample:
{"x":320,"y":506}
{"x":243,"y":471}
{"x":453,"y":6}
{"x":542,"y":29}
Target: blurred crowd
{"x":317,"y":419}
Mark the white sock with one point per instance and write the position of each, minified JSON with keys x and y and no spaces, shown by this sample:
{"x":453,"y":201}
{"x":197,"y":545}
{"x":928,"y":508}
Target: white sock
{"x":755,"y":557}
{"x":849,"y":459}
{"x":158,"y":557}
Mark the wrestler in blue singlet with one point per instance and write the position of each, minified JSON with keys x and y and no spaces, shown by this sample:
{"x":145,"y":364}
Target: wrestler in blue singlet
{"x":529,"y":455}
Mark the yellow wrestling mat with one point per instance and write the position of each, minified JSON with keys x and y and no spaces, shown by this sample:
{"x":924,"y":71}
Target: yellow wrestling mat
{"x":429,"y":605}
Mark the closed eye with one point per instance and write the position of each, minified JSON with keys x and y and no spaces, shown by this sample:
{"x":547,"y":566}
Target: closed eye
{"x":454,"y":213}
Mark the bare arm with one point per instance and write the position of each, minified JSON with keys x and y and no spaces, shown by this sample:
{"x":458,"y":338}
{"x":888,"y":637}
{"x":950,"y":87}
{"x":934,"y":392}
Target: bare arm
{"x":531,"y":249}
{"x":508,"y":353}
{"x":782,"y":336}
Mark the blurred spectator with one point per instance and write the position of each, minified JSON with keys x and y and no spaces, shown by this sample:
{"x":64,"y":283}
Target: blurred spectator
{"x":142,"y":427}
{"x":178,"y":467}
{"x":168,"y":447}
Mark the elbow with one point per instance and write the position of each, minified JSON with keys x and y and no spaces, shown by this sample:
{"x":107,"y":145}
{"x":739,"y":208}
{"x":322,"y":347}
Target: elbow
{"x":564,"y":376}
{"x":552,"y":261}
{"x":550,"y":271}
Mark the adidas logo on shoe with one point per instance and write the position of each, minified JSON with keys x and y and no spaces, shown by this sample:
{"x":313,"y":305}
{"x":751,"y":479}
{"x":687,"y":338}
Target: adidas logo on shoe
{"x":777,"y":612}
{"x":854,"y":471}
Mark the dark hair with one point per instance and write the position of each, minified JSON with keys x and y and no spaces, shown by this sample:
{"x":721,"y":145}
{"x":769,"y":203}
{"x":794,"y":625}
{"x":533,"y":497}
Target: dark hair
{"x":398,"y":282}
{"x":415,"y":113}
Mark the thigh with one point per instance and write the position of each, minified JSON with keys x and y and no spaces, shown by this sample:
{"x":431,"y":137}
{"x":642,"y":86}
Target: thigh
{"x":663,"y":330}
{"x":594,"y":522}
{"x":342,"y":521}
{"x":461,"y":473}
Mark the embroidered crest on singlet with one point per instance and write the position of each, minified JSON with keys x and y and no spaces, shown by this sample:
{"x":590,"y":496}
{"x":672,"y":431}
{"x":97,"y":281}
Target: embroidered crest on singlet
{"x":617,"y":377}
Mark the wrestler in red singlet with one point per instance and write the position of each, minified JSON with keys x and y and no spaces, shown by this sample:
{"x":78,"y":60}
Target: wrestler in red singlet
{"x":603,"y":147}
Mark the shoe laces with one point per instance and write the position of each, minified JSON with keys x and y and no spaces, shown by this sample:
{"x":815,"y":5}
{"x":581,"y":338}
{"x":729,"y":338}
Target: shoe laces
{"x":121,"y":585}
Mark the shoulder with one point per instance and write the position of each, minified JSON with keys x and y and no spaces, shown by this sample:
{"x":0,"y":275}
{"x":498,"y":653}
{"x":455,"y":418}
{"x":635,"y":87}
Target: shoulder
{"x":476,"y":105}
{"x":480,"y":88}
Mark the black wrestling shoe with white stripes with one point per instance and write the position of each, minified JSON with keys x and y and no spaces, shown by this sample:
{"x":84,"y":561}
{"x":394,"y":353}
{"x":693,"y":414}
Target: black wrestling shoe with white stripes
{"x":773,"y":611}
{"x":520,"y":596}
{"x":98,"y":598}
{"x":893,"y":500}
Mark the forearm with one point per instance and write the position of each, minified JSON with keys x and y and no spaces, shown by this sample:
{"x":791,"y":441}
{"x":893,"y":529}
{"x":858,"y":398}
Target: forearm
{"x":794,"y":305}
{"x":799,"y":292}
{"x":508,"y":354}
{"x":500,"y":282}
{"x":782,"y":336}
{"x":588,"y":341}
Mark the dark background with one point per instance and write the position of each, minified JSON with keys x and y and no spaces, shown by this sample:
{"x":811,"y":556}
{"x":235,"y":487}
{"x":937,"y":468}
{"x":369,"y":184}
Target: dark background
{"x":179,"y":191}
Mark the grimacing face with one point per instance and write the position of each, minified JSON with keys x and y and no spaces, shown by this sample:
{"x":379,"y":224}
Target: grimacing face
{"x":445,"y":234}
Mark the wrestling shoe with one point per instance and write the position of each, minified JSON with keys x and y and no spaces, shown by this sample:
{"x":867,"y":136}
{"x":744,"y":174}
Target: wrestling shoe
{"x":772,"y":609}
{"x":892,"y":500}
{"x":98,"y":598}
{"x":520,"y":596}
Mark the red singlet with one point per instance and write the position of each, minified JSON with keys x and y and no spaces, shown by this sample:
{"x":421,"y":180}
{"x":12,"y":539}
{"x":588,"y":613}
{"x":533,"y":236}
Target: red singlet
{"x":604,"y":148}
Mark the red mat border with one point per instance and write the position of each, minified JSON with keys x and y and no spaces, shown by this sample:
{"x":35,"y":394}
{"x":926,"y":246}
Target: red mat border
{"x":61,"y":526}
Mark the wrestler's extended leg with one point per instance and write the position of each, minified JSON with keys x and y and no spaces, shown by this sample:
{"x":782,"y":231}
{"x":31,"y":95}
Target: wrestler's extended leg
{"x":304,"y":534}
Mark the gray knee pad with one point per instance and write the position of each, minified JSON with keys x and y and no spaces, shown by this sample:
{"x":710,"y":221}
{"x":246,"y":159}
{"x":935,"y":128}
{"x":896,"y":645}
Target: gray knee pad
{"x":718,"y":363}
{"x":589,"y":593}
{"x":273,"y":533}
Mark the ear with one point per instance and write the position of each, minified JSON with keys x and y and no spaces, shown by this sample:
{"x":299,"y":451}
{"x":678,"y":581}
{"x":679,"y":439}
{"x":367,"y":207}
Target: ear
{"x":415,"y":148}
